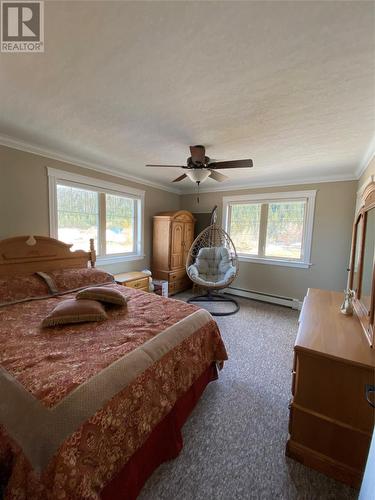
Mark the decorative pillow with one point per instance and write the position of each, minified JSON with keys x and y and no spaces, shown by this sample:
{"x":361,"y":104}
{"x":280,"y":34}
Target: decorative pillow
{"x":71,"y":279}
{"x":103,"y":294}
{"x":21,"y":286}
{"x":75,"y":311}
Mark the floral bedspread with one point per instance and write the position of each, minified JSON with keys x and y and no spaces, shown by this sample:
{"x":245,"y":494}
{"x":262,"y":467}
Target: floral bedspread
{"x":154,"y":336}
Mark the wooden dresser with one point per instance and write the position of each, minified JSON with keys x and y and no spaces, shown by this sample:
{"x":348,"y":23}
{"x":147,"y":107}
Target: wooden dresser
{"x":331,"y":422}
{"x":173,"y":235}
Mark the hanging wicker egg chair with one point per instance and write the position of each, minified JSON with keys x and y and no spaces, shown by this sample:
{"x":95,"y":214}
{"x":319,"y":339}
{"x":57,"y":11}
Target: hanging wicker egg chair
{"x":212,"y":264}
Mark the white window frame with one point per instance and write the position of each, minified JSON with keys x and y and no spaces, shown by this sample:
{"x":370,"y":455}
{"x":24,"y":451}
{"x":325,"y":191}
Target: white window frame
{"x":308,"y":196}
{"x":56,"y":177}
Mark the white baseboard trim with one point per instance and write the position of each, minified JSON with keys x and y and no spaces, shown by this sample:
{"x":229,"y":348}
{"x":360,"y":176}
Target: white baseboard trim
{"x":265,"y":297}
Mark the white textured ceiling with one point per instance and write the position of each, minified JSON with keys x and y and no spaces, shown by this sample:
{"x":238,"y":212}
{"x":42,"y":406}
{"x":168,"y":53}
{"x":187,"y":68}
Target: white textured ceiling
{"x":121,"y":84}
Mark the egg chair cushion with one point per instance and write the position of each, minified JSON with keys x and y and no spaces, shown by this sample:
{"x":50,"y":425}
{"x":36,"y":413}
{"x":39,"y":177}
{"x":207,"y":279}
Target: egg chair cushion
{"x":213,"y":267}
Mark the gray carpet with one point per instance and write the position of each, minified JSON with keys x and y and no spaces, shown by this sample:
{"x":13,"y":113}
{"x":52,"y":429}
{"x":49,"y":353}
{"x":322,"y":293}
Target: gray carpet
{"x":235,"y":438}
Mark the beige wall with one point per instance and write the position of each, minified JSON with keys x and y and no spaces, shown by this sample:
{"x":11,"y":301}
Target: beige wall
{"x":24,"y":210}
{"x":24,"y":198}
{"x":334,"y":211}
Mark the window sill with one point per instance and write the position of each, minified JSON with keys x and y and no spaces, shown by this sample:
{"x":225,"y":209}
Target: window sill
{"x":115,"y":259}
{"x":274,"y":262}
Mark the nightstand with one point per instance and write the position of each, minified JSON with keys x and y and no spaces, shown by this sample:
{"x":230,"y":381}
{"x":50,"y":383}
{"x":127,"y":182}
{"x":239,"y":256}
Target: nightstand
{"x":135,"y":279}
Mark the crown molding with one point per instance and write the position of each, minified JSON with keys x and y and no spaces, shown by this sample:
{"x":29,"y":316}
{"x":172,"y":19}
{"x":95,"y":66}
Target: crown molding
{"x":265,"y":184}
{"x":28,"y":147}
{"x":368,"y":157}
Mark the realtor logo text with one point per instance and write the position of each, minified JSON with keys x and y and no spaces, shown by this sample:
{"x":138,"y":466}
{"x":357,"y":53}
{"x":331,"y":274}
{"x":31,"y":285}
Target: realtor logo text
{"x":22,"y":26}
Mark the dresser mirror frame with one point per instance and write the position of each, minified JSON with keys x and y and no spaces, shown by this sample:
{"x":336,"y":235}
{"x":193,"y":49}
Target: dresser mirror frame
{"x":365,"y":314}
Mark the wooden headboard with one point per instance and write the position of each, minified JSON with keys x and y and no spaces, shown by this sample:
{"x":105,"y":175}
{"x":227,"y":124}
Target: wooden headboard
{"x":28,"y":254}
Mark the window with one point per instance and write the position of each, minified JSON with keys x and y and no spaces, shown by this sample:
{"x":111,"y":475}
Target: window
{"x":245,"y":227}
{"x":271,"y":228}
{"x":77,"y":216}
{"x":120,"y":224}
{"x":82,"y":208}
{"x":284,"y":238}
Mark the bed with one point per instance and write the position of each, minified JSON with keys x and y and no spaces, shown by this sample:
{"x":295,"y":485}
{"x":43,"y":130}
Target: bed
{"x":90,"y":410}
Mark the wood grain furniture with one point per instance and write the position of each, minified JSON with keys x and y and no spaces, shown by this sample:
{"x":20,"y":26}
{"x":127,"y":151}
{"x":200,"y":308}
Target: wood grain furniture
{"x":173,"y":235}
{"x":362,"y":263}
{"x":135,"y":279}
{"x":331,"y":422}
{"x":28,"y":254}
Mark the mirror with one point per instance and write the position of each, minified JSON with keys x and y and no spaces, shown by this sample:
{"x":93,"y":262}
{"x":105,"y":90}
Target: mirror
{"x":368,"y":260}
{"x":357,"y":255}
{"x":362,"y":262}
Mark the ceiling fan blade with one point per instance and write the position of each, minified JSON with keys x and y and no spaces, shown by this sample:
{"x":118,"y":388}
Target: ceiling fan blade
{"x":181,"y":178}
{"x":231,"y":164}
{"x":217,"y":176}
{"x":173,"y":166}
{"x":198,"y":154}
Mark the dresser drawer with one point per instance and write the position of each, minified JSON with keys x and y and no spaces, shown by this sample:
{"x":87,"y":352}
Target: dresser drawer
{"x":141,"y":283}
{"x":329,"y":438}
{"x":334,"y":389}
{"x":290,"y":423}
{"x":294,"y":362}
{"x":293,"y":383}
{"x":177,"y":275}
{"x":178,"y":286}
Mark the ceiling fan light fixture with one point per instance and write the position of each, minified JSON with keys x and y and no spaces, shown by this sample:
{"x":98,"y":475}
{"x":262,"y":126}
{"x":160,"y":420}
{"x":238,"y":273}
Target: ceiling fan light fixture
{"x":199,"y":166}
{"x":197,"y":174}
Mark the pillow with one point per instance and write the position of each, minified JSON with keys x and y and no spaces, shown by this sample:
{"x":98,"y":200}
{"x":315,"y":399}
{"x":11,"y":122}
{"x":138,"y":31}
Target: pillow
{"x":21,"y":286}
{"x":75,"y":311}
{"x":71,"y":279}
{"x":103,"y":294}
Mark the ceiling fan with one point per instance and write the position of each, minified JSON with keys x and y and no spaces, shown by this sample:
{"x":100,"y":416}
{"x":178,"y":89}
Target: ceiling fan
{"x":199,"y":166}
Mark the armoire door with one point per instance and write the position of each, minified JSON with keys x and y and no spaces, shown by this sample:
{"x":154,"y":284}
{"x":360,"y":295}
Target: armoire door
{"x":188,"y":240}
{"x":177,"y":245}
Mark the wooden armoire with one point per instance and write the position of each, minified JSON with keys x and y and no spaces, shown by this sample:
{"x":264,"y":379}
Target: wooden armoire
{"x":173,"y":235}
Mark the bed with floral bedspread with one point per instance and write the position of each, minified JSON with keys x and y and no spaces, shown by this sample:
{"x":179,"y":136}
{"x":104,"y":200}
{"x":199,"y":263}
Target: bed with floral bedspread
{"x":78,"y":401}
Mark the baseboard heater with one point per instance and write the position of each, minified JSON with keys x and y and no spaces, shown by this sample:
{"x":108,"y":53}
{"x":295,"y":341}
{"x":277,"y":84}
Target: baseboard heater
{"x":265,"y":297}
